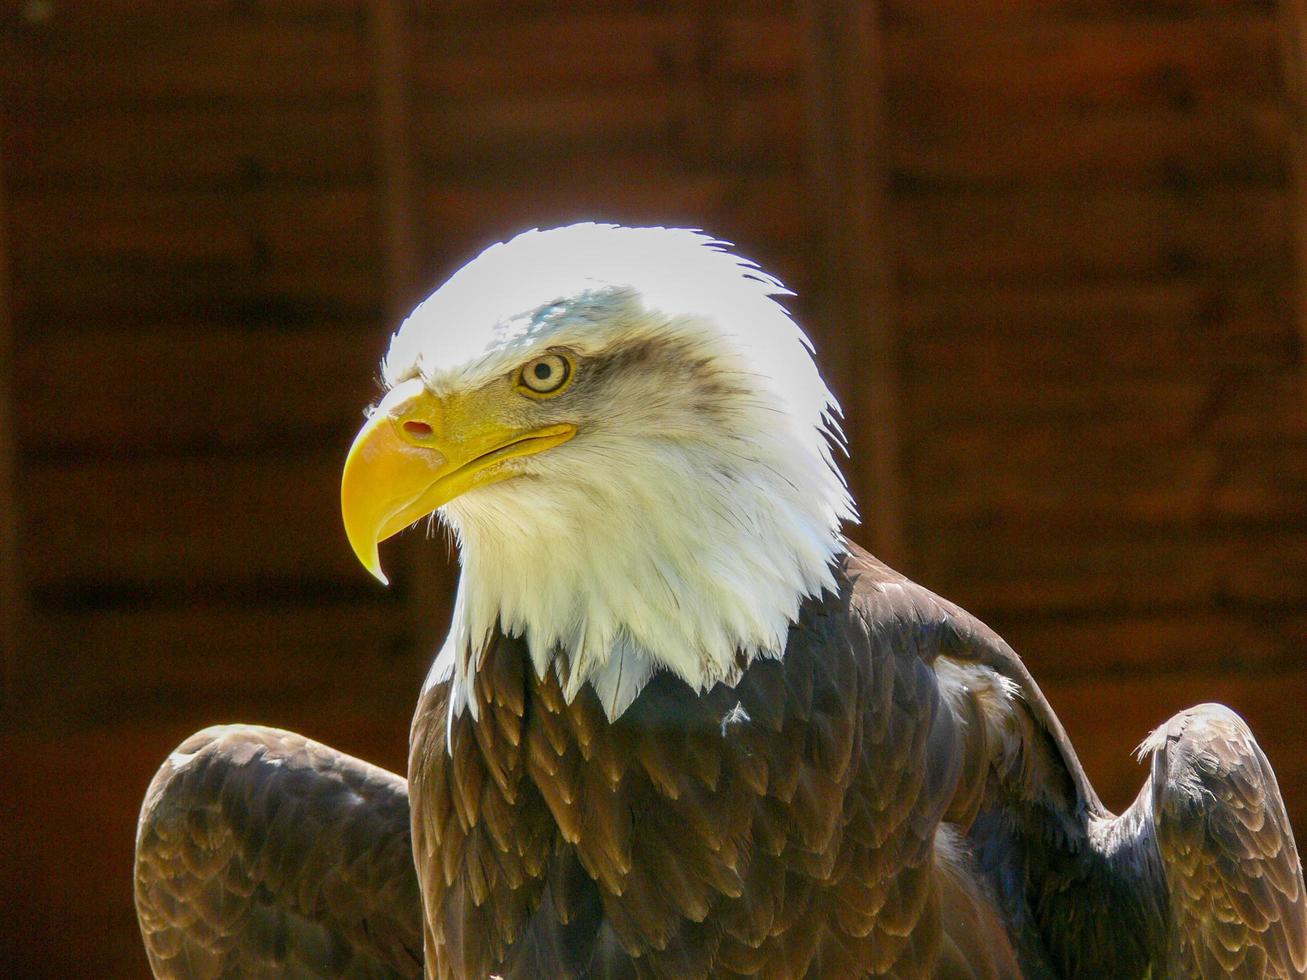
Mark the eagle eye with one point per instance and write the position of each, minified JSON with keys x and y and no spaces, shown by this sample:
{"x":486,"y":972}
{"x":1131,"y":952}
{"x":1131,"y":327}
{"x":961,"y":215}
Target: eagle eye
{"x":545,"y":376}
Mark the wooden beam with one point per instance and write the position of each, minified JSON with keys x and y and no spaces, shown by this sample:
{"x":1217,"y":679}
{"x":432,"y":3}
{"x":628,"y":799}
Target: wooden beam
{"x":399,"y":234}
{"x":428,"y":583}
{"x":1293,"y":17}
{"x":853,"y":275}
{"x":13,"y":600}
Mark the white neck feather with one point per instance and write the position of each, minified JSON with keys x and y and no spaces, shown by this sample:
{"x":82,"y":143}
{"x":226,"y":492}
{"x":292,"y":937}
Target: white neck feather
{"x":662,"y":569}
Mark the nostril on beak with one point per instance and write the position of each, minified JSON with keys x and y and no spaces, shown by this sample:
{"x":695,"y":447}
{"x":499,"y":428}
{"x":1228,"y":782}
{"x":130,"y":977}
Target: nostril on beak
{"x":418,"y":430}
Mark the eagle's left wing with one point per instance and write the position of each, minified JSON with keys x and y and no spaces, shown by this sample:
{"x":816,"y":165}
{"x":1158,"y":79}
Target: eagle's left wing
{"x":261,"y":853}
{"x":1199,"y":877}
{"x":1237,"y":907}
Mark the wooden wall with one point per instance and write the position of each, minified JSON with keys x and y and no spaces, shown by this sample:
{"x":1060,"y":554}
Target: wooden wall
{"x":1103,"y":386}
{"x":1064,"y":229}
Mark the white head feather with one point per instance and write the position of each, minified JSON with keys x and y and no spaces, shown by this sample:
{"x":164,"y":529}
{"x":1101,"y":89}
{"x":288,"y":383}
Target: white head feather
{"x":699,"y":502}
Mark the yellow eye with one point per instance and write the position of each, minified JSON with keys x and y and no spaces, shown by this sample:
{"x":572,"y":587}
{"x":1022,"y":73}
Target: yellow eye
{"x":545,"y":376}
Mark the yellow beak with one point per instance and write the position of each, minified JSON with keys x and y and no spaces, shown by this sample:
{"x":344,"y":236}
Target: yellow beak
{"x":418,"y":452}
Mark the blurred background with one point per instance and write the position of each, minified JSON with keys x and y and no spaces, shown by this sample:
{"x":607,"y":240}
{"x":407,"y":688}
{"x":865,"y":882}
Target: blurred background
{"x":1050,"y":251}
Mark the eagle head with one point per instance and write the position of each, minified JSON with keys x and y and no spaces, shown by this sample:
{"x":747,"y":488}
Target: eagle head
{"x":629,"y":439}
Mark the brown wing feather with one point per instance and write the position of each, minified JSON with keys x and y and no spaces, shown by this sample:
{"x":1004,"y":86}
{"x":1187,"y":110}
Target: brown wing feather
{"x":1231,"y":867}
{"x":1200,"y":877}
{"x":262,"y":853}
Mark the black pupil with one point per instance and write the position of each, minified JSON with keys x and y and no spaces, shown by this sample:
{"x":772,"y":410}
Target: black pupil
{"x":543,"y":371}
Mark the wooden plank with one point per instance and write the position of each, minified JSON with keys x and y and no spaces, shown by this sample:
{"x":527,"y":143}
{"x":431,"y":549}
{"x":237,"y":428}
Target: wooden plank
{"x":209,"y":661}
{"x":982,"y":74}
{"x":958,"y":479}
{"x":1067,"y":479}
{"x":1239,"y":143}
{"x":1252,"y":410}
{"x":13,"y":590}
{"x":198,"y":148}
{"x":1262,"y":482}
{"x":121,"y":292}
{"x":579,"y":51}
{"x":456,"y":58}
{"x":1008,"y":564}
{"x":752,"y":47}
{"x":1240,"y":412}
{"x":211,"y":389}
{"x":1149,"y":643}
{"x":657,"y":163}
{"x":269,"y":227}
{"x":392,"y":125}
{"x":526,"y":12}
{"x":258,"y":227}
{"x":1095,"y":333}
{"x":233,"y":59}
{"x":1048,"y":237}
{"x":909,"y":14}
{"x":1293,"y":58}
{"x":1173,"y":406}
{"x":697,"y":127}
{"x":160,"y":16}
{"x":844,"y":191}
{"x":1107,"y":717}
{"x":190,"y":526}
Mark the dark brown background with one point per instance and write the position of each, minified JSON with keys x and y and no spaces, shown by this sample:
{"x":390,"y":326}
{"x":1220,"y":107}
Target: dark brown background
{"x":1049,"y":251}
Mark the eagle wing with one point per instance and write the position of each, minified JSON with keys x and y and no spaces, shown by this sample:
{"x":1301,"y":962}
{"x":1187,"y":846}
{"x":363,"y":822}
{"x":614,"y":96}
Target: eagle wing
{"x":1231,"y":868}
{"x":1200,"y":877}
{"x":262,"y":853}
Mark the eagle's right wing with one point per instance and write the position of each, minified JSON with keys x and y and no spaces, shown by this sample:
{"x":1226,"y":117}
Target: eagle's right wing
{"x":260,"y":853}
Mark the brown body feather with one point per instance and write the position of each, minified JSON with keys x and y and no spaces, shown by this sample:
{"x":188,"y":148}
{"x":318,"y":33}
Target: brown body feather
{"x":782,"y":827}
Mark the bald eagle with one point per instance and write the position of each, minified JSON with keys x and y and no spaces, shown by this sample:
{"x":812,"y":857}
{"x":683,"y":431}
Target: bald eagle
{"x":682,"y":726}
